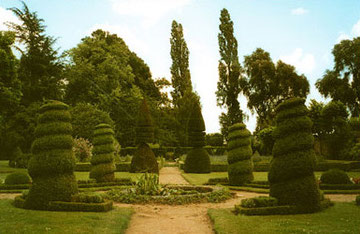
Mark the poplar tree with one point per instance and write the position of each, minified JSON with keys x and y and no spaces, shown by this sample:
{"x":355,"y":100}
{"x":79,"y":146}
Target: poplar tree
{"x":180,"y":73}
{"x":230,"y":79}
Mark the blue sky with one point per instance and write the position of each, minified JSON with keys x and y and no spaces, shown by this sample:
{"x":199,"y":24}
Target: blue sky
{"x":300,"y":32}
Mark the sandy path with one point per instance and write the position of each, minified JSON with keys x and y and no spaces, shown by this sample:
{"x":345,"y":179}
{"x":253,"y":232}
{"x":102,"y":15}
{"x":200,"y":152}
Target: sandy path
{"x":171,"y":175}
{"x":8,"y":195}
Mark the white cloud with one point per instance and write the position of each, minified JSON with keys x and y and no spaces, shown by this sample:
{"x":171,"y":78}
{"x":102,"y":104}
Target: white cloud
{"x":129,"y":36}
{"x":356,"y":29}
{"x":150,"y":10}
{"x":342,"y":36}
{"x":299,"y":11}
{"x":6,"y":16}
{"x":304,"y":63}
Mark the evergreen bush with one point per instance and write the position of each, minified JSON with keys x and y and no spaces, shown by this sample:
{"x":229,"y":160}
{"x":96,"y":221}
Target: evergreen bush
{"x":240,"y":168}
{"x":144,"y":159}
{"x":197,"y":159}
{"x":291,"y":174}
{"x":103,"y":166}
{"x":52,"y":164}
{"x":335,"y":176}
{"x":17,"y":178}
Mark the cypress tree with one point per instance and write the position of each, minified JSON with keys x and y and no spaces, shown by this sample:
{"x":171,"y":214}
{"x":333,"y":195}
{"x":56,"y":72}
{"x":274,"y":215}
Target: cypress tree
{"x":52,"y":165}
{"x":239,"y":155}
{"x":103,"y":166}
{"x":144,"y":159}
{"x":197,"y":160}
{"x":291,"y":174}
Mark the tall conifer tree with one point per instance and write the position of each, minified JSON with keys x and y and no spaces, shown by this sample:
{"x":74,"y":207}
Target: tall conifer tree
{"x":229,"y":84}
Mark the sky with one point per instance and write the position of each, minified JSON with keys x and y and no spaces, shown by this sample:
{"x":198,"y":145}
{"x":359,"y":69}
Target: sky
{"x":299,"y":32}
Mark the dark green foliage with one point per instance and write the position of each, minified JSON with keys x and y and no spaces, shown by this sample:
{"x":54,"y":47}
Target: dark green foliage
{"x":17,"y":178}
{"x":266,"y":140}
{"x":261,"y":201}
{"x":103,"y":166}
{"x":291,"y":174}
{"x":87,"y":198}
{"x":231,"y":82}
{"x":239,"y":155}
{"x":144,"y":126}
{"x":357,"y":200}
{"x":214,"y":139}
{"x":335,"y":176}
{"x":53,"y":162}
{"x":197,"y":160}
{"x":144,"y":160}
{"x":84,"y":119}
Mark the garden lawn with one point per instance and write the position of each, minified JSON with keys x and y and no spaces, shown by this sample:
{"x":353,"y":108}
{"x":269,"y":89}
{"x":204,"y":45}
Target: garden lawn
{"x":199,"y":179}
{"x":16,"y":220}
{"x":342,"y":218}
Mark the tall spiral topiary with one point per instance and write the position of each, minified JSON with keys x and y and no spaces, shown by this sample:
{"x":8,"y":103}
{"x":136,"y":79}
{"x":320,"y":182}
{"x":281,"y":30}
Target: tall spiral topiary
{"x":52,"y":165}
{"x":144,"y":159}
{"x":291,"y":174}
{"x":240,"y":168}
{"x":103,"y":166}
{"x":197,"y":159}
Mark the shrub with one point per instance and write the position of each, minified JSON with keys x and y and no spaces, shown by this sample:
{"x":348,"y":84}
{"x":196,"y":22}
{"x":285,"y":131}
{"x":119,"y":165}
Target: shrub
{"x":240,"y":168}
{"x":256,"y":157}
{"x":267,"y":140}
{"x":214,"y":139}
{"x":103,"y":166}
{"x":87,"y":198}
{"x":17,"y":178}
{"x":261,"y":201}
{"x":82,"y":149}
{"x":357,"y":200}
{"x":335,"y":176}
{"x":355,"y":152}
{"x":52,"y":165}
{"x":144,"y":158}
{"x":291,"y":174}
{"x":197,"y":159}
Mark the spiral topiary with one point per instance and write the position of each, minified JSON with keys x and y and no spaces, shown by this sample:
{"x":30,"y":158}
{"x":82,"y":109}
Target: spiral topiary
{"x":197,"y":159}
{"x":52,"y":165}
{"x":240,"y":168}
{"x":103,"y":166}
{"x":144,"y":159}
{"x":291,"y":174}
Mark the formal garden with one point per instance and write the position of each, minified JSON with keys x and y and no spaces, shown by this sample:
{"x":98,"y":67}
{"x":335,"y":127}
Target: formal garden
{"x":95,"y":145}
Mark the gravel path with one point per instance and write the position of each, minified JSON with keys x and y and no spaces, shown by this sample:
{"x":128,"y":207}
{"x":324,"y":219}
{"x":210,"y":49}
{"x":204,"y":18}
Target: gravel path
{"x":171,"y":175}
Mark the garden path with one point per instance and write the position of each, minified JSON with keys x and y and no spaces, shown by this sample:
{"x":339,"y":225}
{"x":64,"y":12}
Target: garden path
{"x":171,"y":175}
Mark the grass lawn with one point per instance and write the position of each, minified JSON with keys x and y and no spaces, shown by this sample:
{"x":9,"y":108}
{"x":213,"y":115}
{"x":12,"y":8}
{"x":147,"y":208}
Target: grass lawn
{"x":199,"y":179}
{"x":342,"y":218}
{"x":15,"y":220}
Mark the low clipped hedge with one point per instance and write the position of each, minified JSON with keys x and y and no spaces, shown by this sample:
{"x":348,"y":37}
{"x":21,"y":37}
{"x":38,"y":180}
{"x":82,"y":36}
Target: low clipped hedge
{"x":17,"y":178}
{"x":257,"y":202}
{"x":121,"y":167}
{"x":71,"y":206}
{"x":277,"y":210}
{"x":335,"y":176}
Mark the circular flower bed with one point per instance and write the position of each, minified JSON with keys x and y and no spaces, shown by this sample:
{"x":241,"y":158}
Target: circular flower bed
{"x":171,"y":195}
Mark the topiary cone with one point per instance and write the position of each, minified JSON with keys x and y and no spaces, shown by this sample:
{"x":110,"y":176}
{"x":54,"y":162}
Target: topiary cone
{"x":103,"y":166}
{"x":144,"y":159}
{"x":52,"y":165}
{"x":291,"y":174}
{"x":240,"y":168}
{"x":197,"y":159}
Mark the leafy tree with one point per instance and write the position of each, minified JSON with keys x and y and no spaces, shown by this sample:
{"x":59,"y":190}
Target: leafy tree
{"x":342,"y":83}
{"x":268,"y":84}
{"x":230,"y":81}
{"x":10,"y":85}
{"x":40,"y":67}
{"x":214,"y":139}
{"x":180,"y":73}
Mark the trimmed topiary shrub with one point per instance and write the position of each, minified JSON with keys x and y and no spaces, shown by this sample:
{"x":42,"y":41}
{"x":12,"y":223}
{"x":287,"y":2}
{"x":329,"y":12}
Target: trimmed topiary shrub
{"x":335,"y":176}
{"x":291,"y":174}
{"x":240,"y":168}
{"x":102,"y":161}
{"x":197,"y":159}
{"x":144,"y":159}
{"x":52,"y":164}
{"x":17,"y":178}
